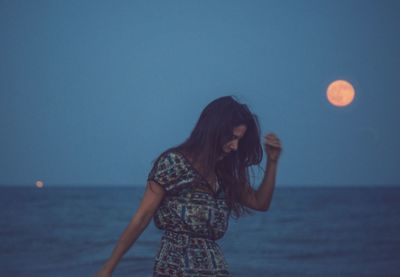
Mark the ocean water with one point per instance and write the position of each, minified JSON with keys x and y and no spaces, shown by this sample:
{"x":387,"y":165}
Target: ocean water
{"x":308,"y":231}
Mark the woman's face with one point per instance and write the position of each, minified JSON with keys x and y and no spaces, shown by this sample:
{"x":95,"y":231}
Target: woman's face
{"x":233,"y":144}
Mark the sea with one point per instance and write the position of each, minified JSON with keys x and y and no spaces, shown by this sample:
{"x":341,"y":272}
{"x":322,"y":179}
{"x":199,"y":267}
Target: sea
{"x":307,"y":231}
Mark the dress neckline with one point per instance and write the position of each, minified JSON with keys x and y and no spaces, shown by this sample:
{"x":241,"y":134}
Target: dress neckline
{"x":215,"y":192}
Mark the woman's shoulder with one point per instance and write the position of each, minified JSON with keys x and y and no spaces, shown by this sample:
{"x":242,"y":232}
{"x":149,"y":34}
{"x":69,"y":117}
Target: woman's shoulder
{"x":169,"y":169}
{"x":171,"y":156}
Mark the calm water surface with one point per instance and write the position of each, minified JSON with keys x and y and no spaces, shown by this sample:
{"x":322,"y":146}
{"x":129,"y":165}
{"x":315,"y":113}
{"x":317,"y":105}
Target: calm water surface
{"x":308,"y":231}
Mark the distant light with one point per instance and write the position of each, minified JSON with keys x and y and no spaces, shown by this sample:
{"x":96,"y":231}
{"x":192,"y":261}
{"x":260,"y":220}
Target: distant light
{"x":340,"y":93}
{"x":39,"y":184}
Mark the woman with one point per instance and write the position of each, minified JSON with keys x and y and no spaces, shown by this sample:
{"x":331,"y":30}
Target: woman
{"x":194,"y":188}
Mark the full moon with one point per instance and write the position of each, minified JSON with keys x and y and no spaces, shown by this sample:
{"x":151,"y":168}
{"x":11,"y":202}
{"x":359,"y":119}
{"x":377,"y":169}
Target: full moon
{"x":340,"y":93}
{"x":39,"y":184}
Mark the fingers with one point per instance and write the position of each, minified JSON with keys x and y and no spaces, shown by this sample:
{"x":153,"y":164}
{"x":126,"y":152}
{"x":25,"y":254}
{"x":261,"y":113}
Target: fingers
{"x":272,"y":139}
{"x":278,"y":145}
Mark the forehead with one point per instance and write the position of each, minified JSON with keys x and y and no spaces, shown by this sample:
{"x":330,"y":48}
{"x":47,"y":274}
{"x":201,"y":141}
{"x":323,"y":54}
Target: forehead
{"x":239,"y":130}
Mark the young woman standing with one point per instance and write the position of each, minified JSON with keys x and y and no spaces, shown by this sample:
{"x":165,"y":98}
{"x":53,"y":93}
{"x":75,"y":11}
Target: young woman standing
{"x":194,"y":187}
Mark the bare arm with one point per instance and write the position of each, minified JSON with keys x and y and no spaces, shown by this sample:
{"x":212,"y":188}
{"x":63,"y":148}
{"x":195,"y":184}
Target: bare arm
{"x":261,"y":199}
{"x":149,"y":204}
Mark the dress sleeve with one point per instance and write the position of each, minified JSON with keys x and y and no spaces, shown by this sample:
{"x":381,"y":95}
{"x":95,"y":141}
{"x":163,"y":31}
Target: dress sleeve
{"x":166,"y":171}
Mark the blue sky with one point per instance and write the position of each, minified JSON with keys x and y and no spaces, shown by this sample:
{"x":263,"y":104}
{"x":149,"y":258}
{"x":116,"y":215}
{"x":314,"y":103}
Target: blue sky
{"x":92,"y":91}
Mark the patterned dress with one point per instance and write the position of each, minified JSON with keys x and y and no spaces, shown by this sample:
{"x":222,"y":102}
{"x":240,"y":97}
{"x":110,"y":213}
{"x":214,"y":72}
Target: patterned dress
{"x":193,"y":216}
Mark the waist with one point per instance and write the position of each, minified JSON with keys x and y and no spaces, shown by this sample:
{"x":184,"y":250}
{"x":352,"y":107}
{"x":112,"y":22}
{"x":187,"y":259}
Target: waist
{"x":185,"y":238}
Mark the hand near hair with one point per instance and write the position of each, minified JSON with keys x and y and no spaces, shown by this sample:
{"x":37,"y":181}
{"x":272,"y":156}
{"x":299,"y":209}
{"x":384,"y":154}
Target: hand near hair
{"x":273,"y":147}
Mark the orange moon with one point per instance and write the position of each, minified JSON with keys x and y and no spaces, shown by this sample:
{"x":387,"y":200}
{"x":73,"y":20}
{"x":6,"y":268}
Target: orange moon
{"x":39,"y":184}
{"x":340,"y":93}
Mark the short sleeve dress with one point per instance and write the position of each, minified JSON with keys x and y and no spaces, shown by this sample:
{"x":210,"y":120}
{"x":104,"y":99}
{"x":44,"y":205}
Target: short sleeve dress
{"x":193,"y":216}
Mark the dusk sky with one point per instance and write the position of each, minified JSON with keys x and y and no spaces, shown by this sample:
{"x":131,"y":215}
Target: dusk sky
{"x":92,"y":91}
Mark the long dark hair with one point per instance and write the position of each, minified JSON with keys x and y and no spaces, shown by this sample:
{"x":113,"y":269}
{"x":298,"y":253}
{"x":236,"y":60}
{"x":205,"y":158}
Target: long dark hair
{"x":213,"y":129}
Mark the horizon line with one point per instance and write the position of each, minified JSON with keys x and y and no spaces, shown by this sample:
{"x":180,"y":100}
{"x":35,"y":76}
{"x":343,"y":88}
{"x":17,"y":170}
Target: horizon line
{"x":144,"y":185}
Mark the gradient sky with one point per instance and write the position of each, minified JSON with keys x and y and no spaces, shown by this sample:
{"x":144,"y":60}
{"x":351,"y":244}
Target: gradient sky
{"x":92,"y":91}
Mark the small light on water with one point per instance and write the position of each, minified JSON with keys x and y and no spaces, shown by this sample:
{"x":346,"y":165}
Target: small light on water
{"x":39,"y":184}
